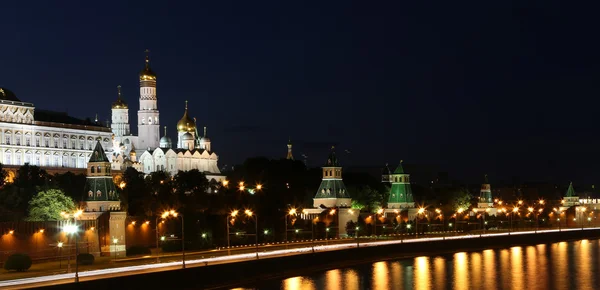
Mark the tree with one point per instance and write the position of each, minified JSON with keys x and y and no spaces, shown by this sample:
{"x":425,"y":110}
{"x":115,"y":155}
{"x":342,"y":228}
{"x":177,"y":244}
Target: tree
{"x":47,"y":205}
{"x":3,"y":175}
{"x":460,"y":198}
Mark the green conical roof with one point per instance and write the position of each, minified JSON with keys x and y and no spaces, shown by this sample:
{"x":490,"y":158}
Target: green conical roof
{"x":571,"y":191}
{"x":332,"y":188}
{"x":98,"y":155}
{"x":399,"y":169}
{"x":401,"y":193}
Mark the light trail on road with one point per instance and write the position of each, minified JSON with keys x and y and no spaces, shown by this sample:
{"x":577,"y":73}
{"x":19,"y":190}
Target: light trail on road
{"x":251,"y":256}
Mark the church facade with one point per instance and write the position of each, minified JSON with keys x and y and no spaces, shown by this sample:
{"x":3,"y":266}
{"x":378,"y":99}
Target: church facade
{"x":148,"y":152}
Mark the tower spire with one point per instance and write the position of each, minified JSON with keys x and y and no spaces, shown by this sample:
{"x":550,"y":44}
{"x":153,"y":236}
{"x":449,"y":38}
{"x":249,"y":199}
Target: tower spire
{"x":289,"y":146}
{"x":119,"y":91}
{"x":204,"y":132}
{"x":147,"y":51}
{"x":96,"y":119}
{"x":186,"y":105}
{"x":165,"y":130}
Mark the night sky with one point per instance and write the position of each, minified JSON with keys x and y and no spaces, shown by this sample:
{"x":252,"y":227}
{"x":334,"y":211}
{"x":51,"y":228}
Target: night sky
{"x":508,"y":89}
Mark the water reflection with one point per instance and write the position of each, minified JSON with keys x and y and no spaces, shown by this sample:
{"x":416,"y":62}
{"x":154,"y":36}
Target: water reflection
{"x":564,"y":265}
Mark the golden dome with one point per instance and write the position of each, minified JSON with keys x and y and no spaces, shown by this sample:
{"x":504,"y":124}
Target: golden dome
{"x":120,"y":103}
{"x":147,"y":73}
{"x":186,"y":124}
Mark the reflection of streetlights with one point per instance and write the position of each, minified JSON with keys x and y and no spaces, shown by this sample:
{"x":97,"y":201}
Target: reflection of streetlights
{"x":175,"y":214}
{"x":249,"y":213}
{"x":73,"y":230}
{"x":233,"y":214}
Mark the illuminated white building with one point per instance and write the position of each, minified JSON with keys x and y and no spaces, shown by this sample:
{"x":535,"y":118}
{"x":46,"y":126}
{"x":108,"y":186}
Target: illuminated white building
{"x":45,"y":138}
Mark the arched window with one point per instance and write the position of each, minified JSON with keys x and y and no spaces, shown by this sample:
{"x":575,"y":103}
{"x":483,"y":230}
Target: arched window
{"x":99,"y":171}
{"x":93,"y":169}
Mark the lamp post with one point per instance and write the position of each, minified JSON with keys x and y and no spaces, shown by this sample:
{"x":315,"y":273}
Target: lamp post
{"x":459,"y":212}
{"x":115,"y":241}
{"x":419,"y":212}
{"x":175,"y":214}
{"x":291,"y":212}
{"x":249,"y":213}
{"x":157,"y":248}
{"x":379,"y":212}
{"x":233,"y":214}
{"x":59,"y":245}
{"x":439,"y":212}
{"x":73,"y":230}
{"x":312,"y":229}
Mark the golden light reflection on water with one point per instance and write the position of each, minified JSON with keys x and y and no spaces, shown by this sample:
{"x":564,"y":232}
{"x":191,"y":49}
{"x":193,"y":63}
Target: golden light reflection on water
{"x":422,"y":275}
{"x":583,"y":263}
{"x":298,"y":283}
{"x":439,"y":278}
{"x":564,"y":265}
{"x":333,"y":279}
{"x":461,"y":271}
{"x":351,"y":280}
{"x":396,"y":275}
{"x":475,"y":268}
{"x":516,"y":264}
{"x":560,"y":262}
{"x":489,"y":268}
{"x":380,"y":275}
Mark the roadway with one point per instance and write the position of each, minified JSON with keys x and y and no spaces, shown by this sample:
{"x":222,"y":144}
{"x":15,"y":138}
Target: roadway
{"x":142,"y":265}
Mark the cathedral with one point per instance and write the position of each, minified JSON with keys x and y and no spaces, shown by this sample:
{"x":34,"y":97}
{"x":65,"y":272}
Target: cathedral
{"x":148,"y":152}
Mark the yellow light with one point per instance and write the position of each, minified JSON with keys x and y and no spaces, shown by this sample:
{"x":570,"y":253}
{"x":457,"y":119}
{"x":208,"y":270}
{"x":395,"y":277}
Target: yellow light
{"x":133,"y":223}
{"x":542,"y":201}
{"x":540,"y":210}
{"x":292,"y":211}
{"x":225,"y":182}
{"x":583,"y":208}
{"x":122,"y":184}
{"x":147,"y":222}
{"x":242,"y":188}
{"x":421,"y":210}
{"x":165,"y":214}
{"x":60,"y":244}
{"x":115,"y":241}
{"x":438,"y":210}
{"x":350,"y":211}
{"x":41,"y":231}
{"x":248,"y":212}
{"x":92,"y":228}
{"x":515,"y":209}
{"x":305,"y":211}
{"x":332,"y":212}
{"x":172,"y":212}
{"x":258,"y":186}
{"x":500,"y":202}
{"x":241,"y":183}
{"x":175,"y":214}
{"x":530,"y":209}
{"x":234,"y":213}
{"x":460,"y":210}
{"x":520,"y":202}
{"x":11,"y":232}
{"x":380,"y":211}
{"x":562,"y":201}
{"x":474,"y":210}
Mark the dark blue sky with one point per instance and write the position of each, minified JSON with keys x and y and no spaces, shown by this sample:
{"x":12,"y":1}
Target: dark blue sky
{"x":505,"y":89}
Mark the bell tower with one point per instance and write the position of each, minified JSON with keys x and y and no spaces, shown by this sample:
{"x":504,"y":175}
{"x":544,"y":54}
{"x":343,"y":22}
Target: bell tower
{"x":148,"y":121}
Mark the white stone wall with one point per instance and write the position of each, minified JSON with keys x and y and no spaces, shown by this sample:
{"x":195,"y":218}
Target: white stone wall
{"x":120,"y":122}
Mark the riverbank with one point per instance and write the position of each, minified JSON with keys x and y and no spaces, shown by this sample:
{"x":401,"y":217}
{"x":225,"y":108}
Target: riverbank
{"x":251,"y":272}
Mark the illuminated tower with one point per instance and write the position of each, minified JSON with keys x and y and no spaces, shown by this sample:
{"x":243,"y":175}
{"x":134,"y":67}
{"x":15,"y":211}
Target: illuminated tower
{"x":485,"y":195}
{"x":332,"y":192}
{"x":400,"y":193}
{"x":148,"y":121}
{"x":289,"y":153}
{"x":120,"y":116}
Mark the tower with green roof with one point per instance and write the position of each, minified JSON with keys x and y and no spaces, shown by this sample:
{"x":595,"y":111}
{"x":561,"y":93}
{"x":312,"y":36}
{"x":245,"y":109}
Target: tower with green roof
{"x":485,"y":194}
{"x":570,"y":199}
{"x":332,"y":192}
{"x":401,"y":195}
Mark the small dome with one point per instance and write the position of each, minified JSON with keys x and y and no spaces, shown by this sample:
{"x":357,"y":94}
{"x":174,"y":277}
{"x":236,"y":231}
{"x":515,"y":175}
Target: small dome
{"x":204,"y":140}
{"x":120,"y":103}
{"x":6,"y":94}
{"x":187,"y":137}
{"x":147,"y":74}
{"x":186,"y":124}
{"x":165,"y":142}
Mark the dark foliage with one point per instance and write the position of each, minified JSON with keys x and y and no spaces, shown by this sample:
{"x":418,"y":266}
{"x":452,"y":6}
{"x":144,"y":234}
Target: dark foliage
{"x":18,"y":262}
{"x":85,"y":259}
{"x":138,"y":250}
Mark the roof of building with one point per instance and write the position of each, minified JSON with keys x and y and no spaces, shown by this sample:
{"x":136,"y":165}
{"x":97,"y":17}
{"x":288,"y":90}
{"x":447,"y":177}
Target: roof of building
{"x":400,"y":193}
{"x":332,"y":160}
{"x":186,"y":123}
{"x":62,"y":117}
{"x":570,"y":191}
{"x":332,"y":188}
{"x":98,"y":154}
{"x":120,"y":103}
{"x":386,"y":170}
{"x":399,"y":169}
{"x":8,"y":95}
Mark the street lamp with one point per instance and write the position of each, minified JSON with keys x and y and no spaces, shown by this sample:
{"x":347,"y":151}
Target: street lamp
{"x":439,"y":212}
{"x":514,"y":210}
{"x":249,"y":213}
{"x":291,"y":212}
{"x":233,"y":214}
{"x":59,"y":245}
{"x":419,"y":212}
{"x":73,"y":229}
{"x":379,"y":212}
{"x":175,"y":214}
{"x":115,"y":241}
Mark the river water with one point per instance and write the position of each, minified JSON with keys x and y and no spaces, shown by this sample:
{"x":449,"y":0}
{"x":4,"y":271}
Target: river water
{"x":563,"y":265}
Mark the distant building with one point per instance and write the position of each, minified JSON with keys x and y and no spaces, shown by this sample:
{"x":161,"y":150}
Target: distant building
{"x":289,"y":151}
